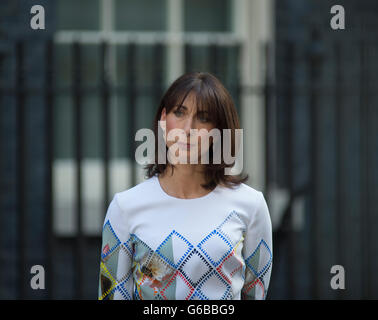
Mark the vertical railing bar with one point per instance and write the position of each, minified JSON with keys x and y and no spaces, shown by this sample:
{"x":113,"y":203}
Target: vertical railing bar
{"x":188,"y":57}
{"x":239,"y":80}
{"x":371,"y":182}
{"x":158,"y":72}
{"x":369,"y":164}
{"x":266,"y":51}
{"x":315,"y":67}
{"x":158,"y":79}
{"x":272,"y":94}
{"x":78,"y":160}
{"x":339,"y":221}
{"x":364,"y":189}
{"x":105,"y":120}
{"x":21,"y":161}
{"x":290,"y":56}
{"x":49,"y":135}
{"x":213,"y":58}
{"x":268,"y":115}
{"x":313,"y":227}
{"x":131,"y":100}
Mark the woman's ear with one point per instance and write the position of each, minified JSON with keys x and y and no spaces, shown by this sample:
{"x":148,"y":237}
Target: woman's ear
{"x":163,"y":115}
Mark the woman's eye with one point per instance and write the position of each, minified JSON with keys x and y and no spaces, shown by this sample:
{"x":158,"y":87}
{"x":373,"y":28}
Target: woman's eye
{"x":203,"y":118}
{"x":178,"y":113}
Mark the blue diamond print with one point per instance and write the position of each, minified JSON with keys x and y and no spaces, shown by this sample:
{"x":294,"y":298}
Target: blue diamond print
{"x":213,"y":287}
{"x":253,"y":260}
{"x":195,"y":261}
{"x":110,"y":240}
{"x":165,"y":250}
{"x":215,"y":247}
{"x":122,"y":287}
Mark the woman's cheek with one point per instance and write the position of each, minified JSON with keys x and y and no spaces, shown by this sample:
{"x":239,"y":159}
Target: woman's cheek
{"x":169,"y":126}
{"x":204,"y":142}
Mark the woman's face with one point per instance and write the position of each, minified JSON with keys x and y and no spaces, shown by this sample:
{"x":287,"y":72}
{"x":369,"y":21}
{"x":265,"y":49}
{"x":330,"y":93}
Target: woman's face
{"x":187,"y":117}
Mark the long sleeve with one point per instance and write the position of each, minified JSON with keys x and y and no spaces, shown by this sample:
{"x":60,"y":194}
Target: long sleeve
{"x":115,"y":278}
{"x":258,"y":253}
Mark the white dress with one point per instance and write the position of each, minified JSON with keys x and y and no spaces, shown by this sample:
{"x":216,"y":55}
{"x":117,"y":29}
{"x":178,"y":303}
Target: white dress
{"x":155,"y":246}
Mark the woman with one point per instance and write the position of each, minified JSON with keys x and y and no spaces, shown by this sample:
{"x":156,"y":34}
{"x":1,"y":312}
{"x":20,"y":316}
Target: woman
{"x":190,"y":231}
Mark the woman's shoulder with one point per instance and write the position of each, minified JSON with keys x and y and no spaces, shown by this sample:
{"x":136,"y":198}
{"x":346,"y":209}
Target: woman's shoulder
{"x":141,"y":191}
{"x":245,"y":191}
{"x":248,"y":198}
{"x":250,"y":190}
{"x":256,"y":199}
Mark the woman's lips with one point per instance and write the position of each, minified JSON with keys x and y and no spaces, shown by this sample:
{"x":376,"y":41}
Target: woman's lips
{"x":184,"y":145}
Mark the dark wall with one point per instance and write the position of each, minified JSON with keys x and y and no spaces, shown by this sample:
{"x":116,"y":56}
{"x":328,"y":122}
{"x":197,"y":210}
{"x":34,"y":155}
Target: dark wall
{"x":15,"y":26}
{"x":329,"y":122}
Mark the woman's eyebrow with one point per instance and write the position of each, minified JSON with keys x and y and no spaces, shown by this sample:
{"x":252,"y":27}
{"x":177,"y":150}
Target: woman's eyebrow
{"x":186,"y":108}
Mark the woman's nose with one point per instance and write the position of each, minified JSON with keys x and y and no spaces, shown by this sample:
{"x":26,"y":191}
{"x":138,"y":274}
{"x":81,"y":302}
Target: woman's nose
{"x":189,"y":124}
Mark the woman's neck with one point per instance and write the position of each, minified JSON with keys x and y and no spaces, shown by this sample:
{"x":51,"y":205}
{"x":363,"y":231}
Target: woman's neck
{"x":185,"y":181}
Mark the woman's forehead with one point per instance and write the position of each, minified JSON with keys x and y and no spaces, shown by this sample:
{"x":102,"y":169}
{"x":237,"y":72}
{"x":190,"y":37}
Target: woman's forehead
{"x":192,"y":103}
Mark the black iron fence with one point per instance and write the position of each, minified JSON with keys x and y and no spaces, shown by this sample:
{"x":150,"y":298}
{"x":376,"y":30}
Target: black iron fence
{"x":315,"y":151}
{"x":329,"y":136}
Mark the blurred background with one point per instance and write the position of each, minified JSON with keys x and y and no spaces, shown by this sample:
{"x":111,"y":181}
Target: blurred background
{"x":73,"y":95}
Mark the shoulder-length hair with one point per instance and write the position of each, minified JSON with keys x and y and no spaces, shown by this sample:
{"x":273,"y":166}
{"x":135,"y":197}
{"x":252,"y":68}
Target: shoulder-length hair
{"x":212,"y":96}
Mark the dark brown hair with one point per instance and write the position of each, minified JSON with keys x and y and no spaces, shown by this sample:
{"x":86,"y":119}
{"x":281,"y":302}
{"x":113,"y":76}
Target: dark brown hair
{"x":211,"y":95}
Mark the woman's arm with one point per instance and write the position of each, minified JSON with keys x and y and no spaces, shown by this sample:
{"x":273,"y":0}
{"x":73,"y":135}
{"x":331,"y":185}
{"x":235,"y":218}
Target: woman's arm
{"x":115,"y":278}
{"x":258,"y":253}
